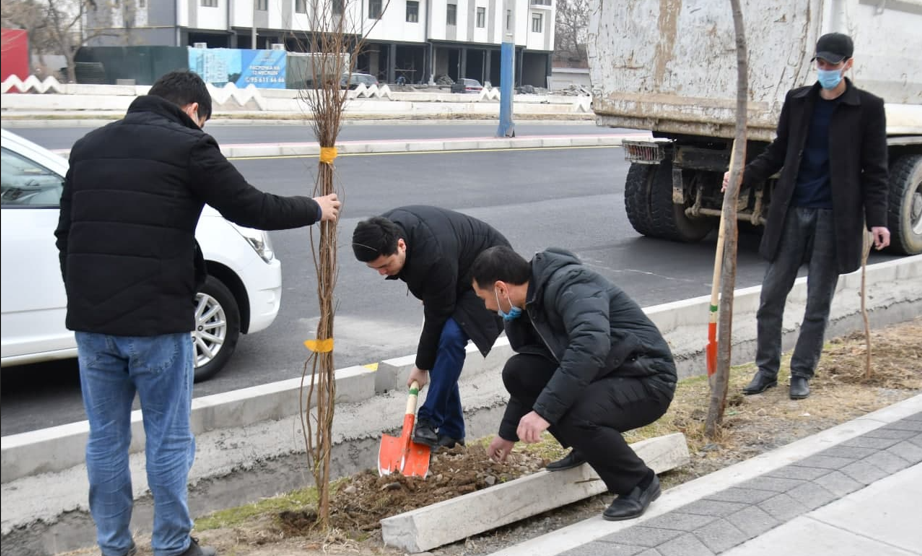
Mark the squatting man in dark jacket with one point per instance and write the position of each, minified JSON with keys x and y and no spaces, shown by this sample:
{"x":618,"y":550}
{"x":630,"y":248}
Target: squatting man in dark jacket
{"x":831,"y":149}
{"x":131,"y":201}
{"x":589,"y":365}
{"x":432,"y":250}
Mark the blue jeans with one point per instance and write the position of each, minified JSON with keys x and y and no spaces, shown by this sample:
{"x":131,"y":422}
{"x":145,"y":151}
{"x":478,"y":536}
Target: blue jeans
{"x":442,"y":408}
{"x":160,"y":370}
{"x":808,"y":238}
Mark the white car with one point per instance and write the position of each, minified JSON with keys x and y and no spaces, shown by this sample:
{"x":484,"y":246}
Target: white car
{"x":242,"y":293}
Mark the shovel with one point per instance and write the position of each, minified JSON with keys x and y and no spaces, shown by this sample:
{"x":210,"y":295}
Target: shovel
{"x":402,"y":455}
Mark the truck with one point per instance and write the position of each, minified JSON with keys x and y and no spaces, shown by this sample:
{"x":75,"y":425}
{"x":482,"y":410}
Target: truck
{"x":670,"y":67}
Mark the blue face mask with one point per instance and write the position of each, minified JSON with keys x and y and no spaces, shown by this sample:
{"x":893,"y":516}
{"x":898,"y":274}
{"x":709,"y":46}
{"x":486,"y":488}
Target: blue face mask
{"x":514,"y":312}
{"x":829,"y":79}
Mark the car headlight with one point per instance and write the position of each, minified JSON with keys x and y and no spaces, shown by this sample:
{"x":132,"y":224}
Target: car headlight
{"x":258,"y":240}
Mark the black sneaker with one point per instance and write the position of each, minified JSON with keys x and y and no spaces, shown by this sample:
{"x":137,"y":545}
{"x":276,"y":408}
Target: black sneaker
{"x":425,"y":434}
{"x":448,"y":442}
{"x":132,"y":550}
{"x":569,"y":461}
{"x":196,"y":550}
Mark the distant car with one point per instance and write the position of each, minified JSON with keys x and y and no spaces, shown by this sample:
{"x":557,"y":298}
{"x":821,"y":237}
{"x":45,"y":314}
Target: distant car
{"x":352,"y":81}
{"x":465,"y":85}
{"x":242,"y":293}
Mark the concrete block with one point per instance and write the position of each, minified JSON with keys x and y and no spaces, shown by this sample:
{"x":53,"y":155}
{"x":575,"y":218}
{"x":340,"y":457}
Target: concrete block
{"x":753,"y":521}
{"x":641,"y":535}
{"x":838,"y":483}
{"x":813,"y":495}
{"x":392,"y":373}
{"x":742,"y":495}
{"x":480,"y":511}
{"x":783,"y":507}
{"x":686,"y":545}
{"x":907,"y":451}
{"x":887,"y":461}
{"x":679,"y":521}
{"x":713,"y":508}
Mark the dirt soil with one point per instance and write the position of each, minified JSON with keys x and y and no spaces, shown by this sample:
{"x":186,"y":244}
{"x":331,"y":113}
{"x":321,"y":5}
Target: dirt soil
{"x":752,"y":425}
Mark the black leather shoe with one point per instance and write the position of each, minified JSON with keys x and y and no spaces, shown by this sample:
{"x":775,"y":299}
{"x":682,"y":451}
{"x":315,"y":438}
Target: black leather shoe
{"x":196,"y":550}
{"x":133,"y":550}
{"x":569,"y":461}
{"x":800,"y":387}
{"x":760,"y":383}
{"x":634,"y":504}
{"x":446,"y":441}
{"x":425,"y":434}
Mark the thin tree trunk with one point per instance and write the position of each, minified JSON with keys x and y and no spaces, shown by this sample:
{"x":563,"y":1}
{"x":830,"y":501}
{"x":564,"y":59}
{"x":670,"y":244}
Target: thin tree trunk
{"x":721,"y":381}
{"x":866,"y":250}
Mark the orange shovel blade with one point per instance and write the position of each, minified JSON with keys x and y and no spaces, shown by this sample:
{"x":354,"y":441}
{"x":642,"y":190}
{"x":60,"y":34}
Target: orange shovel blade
{"x":390,"y":455}
{"x":393,"y":458}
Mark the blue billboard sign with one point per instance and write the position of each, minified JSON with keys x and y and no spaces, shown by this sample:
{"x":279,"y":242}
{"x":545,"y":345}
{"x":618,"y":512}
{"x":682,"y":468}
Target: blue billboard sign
{"x":219,"y":66}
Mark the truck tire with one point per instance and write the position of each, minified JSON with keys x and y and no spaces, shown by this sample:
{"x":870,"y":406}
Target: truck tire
{"x":904,"y":216}
{"x":217,"y":328}
{"x":637,"y":198}
{"x":650,"y":210}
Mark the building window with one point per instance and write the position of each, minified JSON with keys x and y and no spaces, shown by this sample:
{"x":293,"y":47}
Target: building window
{"x":412,"y":12}
{"x":301,"y":6}
{"x":338,"y":7}
{"x":261,"y":5}
{"x":374,"y":9}
{"x":481,"y":17}
{"x":205,"y":4}
{"x":541,"y":2}
{"x":452,"y":14}
{"x":142,"y":4}
{"x":537,"y":23}
{"x":509,"y":20}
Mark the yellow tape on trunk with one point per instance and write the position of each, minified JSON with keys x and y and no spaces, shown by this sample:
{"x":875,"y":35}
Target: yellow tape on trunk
{"x":319,"y":346}
{"x":327,"y":155}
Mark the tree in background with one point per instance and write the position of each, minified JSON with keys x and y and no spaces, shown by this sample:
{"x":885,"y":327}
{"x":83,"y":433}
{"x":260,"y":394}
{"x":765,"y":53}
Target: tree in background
{"x":59,"y":26}
{"x":570,"y":33}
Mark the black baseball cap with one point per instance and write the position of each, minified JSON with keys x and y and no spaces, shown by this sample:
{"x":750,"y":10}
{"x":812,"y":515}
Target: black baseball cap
{"x":834,"y":47}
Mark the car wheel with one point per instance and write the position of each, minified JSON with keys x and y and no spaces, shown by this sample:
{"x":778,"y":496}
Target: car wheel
{"x":217,"y":328}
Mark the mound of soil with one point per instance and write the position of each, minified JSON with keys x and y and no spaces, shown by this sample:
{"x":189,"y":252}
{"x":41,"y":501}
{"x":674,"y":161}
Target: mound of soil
{"x":363,"y":500}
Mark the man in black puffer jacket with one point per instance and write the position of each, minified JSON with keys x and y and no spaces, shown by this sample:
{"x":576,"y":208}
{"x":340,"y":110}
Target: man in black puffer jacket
{"x":589,"y":365}
{"x":131,"y":201}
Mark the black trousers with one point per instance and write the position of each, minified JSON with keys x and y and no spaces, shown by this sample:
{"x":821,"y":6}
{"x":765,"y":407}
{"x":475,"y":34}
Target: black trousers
{"x":594,"y":425}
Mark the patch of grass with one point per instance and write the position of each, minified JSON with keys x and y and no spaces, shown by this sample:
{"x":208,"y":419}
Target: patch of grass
{"x":232,"y":517}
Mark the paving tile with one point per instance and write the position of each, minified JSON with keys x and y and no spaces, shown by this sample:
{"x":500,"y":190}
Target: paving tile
{"x":868,"y":442}
{"x":753,"y":521}
{"x":888,"y":462}
{"x":783,"y":507}
{"x":851,"y":452}
{"x":686,"y":545}
{"x":904,"y":425}
{"x":679,"y":521}
{"x":824,"y":462}
{"x":883,"y":432}
{"x":864,"y":472}
{"x":797,"y":472}
{"x":641,"y":535}
{"x":650,"y":552}
{"x":712,"y":508}
{"x":917,"y":440}
{"x":839,"y":483}
{"x":603,"y":549}
{"x":914,"y":417}
{"x":907,"y":451}
{"x":720,"y":535}
{"x":742,"y":495}
{"x":773,"y":484}
{"x":813,"y":495}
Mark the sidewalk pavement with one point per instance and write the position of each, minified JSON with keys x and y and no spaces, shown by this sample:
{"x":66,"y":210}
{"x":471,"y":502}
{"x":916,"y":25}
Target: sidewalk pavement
{"x":851,"y":490}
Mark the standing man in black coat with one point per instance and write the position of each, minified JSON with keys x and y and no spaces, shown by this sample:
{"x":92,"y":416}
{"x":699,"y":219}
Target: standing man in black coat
{"x":126,"y":236}
{"x":432,"y":250}
{"x":831,"y":149}
{"x":589,"y":366}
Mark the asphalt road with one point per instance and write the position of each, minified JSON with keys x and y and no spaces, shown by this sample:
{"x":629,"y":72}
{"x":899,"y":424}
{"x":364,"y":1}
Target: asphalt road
{"x":64,"y":137}
{"x":571,"y":198}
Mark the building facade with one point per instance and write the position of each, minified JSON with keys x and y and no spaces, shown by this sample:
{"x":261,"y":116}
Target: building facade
{"x":416,"y":40}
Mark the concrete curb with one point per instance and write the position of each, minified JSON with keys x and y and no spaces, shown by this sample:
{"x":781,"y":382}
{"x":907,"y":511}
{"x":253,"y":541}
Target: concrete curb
{"x":579,"y":534}
{"x":41,"y":120}
{"x":488,"y":509}
{"x":312,"y":149}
